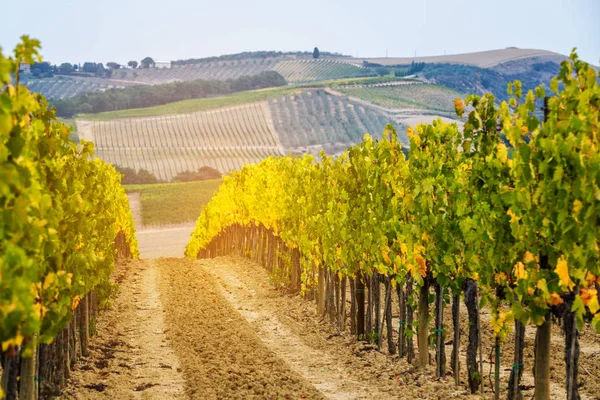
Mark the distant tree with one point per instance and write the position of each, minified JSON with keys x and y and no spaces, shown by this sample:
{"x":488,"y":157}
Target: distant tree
{"x":382,"y":71}
{"x":113,"y":65}
{"x":42,"y":67}
{"x":90,"y":67}
{"x":103,"y":72}
{"x":75,"y":67}
{"x":202,"y":174}
{"x":65,"y":68}
{"x":145,"y":63}
{"x":133,"y":64}
{"x":130,"y":176}
{"x":316,"y":53}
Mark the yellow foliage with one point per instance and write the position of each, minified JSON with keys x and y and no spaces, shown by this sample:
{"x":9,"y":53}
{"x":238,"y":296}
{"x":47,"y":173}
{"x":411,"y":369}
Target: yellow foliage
{"x":528,"y":257}
{"x":577,"y":206}
{"x":562,"y":270}
{"x":385,"y":254}
{"x":422,"y":265}
{"x":555,"y":299}
{"x":519,"y":271}
{"x":513,"y":217}
{"x":500,"y":323}
{"x":16,"y":341}
{"x":75,"y":302}
{"x":502,"y":152}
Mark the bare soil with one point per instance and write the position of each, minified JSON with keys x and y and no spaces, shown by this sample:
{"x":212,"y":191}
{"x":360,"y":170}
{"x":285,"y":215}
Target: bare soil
{"x":220,"y":328}
{"x":130,"y":357}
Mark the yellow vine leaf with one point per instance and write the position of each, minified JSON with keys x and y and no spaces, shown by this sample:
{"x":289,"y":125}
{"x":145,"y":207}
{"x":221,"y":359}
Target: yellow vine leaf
{"x":48,"y":281}
{"x":562,"y":270}
{"x":577,"y":206}
{"x":16,"y":341}
{"x":593,"y":305}
{"x":502,"y":152}
{"x":422,"y":266}
{"x":385,"y":254}
{"x":519,"y":271}
{"x":555,"y":299}
{"x":530,"y":291}
{"x":459,"y":107}
{"x":528,"y":257}
{"x":75,"y":303}
{"x":513,"y":217}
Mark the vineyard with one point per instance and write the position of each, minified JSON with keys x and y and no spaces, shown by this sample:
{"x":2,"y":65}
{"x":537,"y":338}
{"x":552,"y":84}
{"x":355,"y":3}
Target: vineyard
{"x":228,"y":138}
{"x":221,"y":70}
{"x":314,"y":118}
{"x":55,"y":264}
{"x":463,"y":218}
{"x":61,"y":87}
{"x":224,"y":139}
{"x":319,"y":70}
{"x":458,"y":258}
{"x":423,"y":96}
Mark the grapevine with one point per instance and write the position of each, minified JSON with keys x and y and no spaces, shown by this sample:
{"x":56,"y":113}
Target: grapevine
{"x":504,"y":209}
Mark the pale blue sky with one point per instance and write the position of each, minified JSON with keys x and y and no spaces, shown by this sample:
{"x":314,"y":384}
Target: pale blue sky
{"x":122,"y":30}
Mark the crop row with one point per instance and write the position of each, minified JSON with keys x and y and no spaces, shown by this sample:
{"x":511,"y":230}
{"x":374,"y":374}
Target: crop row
{"x":316,"y":118}
{"x":58,"y":88}
{"x":208,"y":71}
{"x":224,"y":139}
{"x":432,"y":97}
{"x":319,"y":70}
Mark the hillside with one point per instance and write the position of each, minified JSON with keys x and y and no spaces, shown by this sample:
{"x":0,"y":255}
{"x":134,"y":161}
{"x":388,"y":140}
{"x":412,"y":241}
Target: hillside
{"x":227,"y":137}
{"x":320,"y":70}
{"x":505,"y":63}
{"x":63,"y":87}
{"x":224,"y":139}
{"x":482,"y":59}
{"x":411,"y":95}
{"x":218,"y":70}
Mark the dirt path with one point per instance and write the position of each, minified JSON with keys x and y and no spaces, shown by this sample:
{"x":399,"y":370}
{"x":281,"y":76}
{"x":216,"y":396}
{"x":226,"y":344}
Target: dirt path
{"x":221,"y":354}
{"x":220,"y":328}
{"x":130,"y":357}
{"x":158,"y":241}
{"x":334,"y":363}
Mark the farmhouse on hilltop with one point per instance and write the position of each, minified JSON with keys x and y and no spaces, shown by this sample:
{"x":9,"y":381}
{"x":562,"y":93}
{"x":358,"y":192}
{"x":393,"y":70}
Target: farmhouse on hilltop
{"x":161,"y":64}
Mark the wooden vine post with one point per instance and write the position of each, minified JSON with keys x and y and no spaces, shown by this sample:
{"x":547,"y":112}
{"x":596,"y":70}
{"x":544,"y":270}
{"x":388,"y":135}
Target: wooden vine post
{"x":423,"y":329}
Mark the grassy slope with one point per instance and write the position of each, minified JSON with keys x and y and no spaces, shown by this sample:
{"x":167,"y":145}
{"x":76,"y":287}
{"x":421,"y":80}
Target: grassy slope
{"x":188,"y":106}
{"x":174,"y":203}
{"x":431,"y":97}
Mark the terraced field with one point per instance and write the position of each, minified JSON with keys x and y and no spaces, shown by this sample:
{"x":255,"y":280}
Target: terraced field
{"x":422,"y":96}
{"x":315,"y":118}
{"x":61,"y":87}
{"x":319,"y":70}
{"x":224,"y":139}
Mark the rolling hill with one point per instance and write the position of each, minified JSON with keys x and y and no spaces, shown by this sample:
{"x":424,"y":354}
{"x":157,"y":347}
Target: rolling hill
{"x":482,"y":59}
{"x":227,"y":137}
{"x":503,"y":63}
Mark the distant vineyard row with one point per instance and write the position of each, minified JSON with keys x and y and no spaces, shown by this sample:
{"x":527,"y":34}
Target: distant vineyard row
{"x":63,"y":87}
{"x":293,"y":71}
{"x":315,"y":118}
{"x":224,"y":139}
{"x":423,"y":96}
{"x":228,"y":138}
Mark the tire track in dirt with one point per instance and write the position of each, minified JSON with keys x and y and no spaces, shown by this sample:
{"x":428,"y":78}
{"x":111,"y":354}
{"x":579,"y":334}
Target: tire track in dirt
{"x":221,"y":355}
{"x":130,"y":357}
{"x":335,"y":363}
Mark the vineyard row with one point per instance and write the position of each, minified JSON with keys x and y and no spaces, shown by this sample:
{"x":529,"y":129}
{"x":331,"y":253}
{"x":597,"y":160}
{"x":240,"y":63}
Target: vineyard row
{"x":502,"y":211}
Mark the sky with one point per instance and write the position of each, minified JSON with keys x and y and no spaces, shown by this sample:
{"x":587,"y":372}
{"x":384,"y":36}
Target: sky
{"x":121,"y":30}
